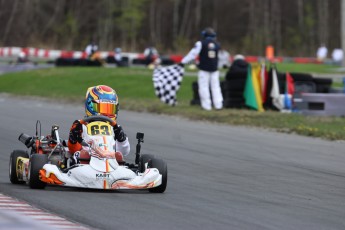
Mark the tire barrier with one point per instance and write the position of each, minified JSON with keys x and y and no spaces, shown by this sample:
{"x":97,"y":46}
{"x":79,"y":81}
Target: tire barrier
{"x":128,"y":58}
{"x":300,"y":88}
{"x":235,"y":80}
{"x":234,"y":84}
{"x":323,"y":85}
{"x":76,"y":62}
{"x":48,"y":54}
{"x":123,"y":63}
{"x":323,"y":104}
{"x":232,"y":99}
{"x":196,"y":99}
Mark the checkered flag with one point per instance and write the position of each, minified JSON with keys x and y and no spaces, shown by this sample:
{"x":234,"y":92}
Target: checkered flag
{"x":167,"y":81}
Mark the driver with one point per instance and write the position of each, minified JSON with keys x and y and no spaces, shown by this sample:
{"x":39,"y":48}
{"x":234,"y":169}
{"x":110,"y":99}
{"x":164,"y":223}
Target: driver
{"x":100,"y":100}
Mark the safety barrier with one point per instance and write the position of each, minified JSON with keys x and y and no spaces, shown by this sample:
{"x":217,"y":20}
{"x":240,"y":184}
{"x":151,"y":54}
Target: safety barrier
{"x":48,"y":54}
{"x":324,"y":104}
{"x":11,"y":53}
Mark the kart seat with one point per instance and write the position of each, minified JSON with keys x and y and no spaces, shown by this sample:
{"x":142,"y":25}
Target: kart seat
{"x":84,"y":158}
{"x":119,"y":158}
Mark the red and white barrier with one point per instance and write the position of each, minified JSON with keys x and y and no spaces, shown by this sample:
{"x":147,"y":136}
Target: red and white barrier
{"x":47,"y":54}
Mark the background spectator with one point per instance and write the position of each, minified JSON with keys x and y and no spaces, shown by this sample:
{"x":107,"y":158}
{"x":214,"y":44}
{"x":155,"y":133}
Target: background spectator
{"x":208,"y":76}
{"x":239,"y":64}
{"x":118,"y":56}
{"x":321,"y":53}
{"x":337,"y":56}
{"x":223,"y":59}
{"x":91,"y":49}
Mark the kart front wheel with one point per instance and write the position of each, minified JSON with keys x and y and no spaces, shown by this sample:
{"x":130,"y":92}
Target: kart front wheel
{"x":37,"y":161}
{"x":13,"y":165}
{"x":163,"y":169}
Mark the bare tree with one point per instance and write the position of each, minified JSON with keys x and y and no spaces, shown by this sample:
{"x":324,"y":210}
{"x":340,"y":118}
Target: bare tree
{"x":322,"y":6}
{"x":176,"y":19}
{"x":276,"y":23}
{"x":185,"y":18}
{"x":296,"y":26}
{"x":10,"y":20}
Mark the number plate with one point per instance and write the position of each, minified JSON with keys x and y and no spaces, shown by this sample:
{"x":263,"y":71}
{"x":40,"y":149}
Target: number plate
{"x":99,"y":128}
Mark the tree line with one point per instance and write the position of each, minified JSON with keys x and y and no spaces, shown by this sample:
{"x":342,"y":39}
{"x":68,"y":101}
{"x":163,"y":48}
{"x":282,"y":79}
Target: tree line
{"x":293,"y":27}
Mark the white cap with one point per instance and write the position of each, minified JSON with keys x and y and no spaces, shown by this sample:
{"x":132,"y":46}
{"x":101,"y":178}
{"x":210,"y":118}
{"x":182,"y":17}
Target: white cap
{"x":239,"y":57}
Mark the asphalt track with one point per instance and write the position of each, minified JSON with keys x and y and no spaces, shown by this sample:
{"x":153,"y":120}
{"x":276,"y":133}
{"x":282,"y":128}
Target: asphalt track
{"x":6,"y":68}
{"x":220,"y":177}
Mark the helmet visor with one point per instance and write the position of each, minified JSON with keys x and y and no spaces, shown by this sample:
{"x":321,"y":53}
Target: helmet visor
{"x":105,"y":108}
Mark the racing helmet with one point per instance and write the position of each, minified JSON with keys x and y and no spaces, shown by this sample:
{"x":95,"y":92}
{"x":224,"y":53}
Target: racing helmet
{"x":101,"y":100}
{"x":208,"y":33}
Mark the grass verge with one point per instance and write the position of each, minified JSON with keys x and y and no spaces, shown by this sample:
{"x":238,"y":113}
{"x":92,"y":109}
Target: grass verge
{"x":136,"y":93}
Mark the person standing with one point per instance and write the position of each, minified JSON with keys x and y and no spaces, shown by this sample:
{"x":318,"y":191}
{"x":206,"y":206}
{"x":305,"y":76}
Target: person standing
{"x":99,"y":100}
{"x":337,"y":56}
{"x":208,"y":75}
{"x":321,"y":53}
{"x":91,"y":49}
{"x":118,"y":56}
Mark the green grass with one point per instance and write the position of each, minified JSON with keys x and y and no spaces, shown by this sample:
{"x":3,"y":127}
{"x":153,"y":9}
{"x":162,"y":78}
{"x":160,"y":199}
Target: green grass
{"x":73,"y":82}
{"x":306,"y":68}
{"x":135,"y":89}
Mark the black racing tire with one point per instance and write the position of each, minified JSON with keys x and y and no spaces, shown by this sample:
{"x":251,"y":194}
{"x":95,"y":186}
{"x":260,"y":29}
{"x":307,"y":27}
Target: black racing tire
{"x":234,"y":103}
{"x":301,"y":77}
{"x":235,"y":85}
{"x":37,"y":161}
{"x":304,"y":87}
{"x":323,"y":81}
{"x":13,"y":165}
{"x":323,"y":85}
{"x":235,"y":75}
{"x":163,"y":169}
{"x":233,"y":95}
{"x":144,"y":158}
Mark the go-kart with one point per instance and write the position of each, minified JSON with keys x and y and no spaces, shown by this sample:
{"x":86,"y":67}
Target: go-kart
{"x":49,"y":161}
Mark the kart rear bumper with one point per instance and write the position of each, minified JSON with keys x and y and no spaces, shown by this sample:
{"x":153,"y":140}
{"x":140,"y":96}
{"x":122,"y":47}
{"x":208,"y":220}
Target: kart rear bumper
{"x":85,"y":176}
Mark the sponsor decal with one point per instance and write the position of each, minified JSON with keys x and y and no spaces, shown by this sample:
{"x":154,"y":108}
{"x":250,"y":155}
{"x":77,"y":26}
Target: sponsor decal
{"x":102,"y":176}
{"x":26,"y":168}
{"x":20,"y":169}
{"x":102,"y":144}
{"x":106,"y":101}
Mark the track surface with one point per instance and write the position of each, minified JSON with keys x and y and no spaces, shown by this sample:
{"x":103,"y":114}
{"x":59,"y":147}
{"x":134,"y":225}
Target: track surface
{"x":220,"y":177}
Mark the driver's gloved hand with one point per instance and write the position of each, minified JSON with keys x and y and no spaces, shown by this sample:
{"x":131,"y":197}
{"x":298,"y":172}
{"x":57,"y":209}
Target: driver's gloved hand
{"x":119,"y":133}
{"x":76,"y":132}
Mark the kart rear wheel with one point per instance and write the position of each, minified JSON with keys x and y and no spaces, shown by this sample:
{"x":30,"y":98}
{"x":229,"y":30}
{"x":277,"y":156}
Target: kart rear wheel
{"x":144,"y":158}
{"x":163,"y":169}
{"x":13,"y":165}
{"x":37,"y":161}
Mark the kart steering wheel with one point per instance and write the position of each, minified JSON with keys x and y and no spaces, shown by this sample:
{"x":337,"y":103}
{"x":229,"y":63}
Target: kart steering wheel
{"x":98,"y":118}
